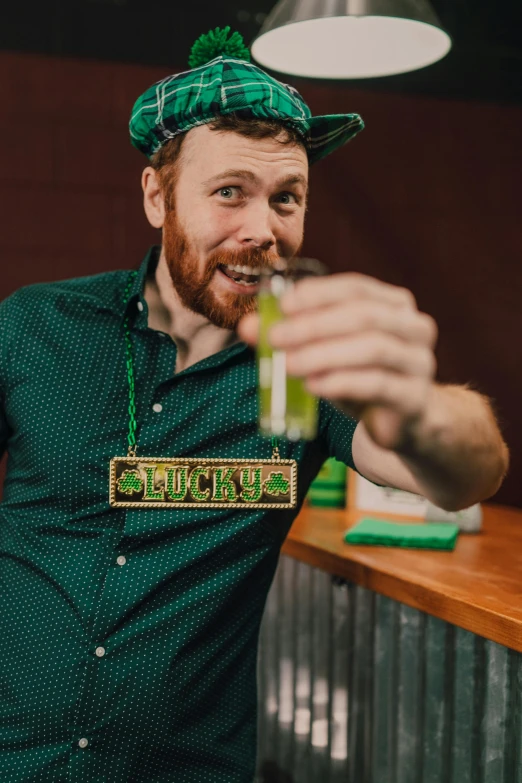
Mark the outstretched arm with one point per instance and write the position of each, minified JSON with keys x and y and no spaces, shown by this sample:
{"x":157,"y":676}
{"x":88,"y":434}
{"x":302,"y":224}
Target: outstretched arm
{"x":363,"y":345}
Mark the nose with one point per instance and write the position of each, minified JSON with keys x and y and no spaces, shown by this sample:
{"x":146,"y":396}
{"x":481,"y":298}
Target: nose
{"x":256,"y":228}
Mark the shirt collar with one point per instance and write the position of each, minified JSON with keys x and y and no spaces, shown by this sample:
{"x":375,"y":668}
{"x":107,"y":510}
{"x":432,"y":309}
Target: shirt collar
{"x":139,"y":315}
{"x":137,"y":291}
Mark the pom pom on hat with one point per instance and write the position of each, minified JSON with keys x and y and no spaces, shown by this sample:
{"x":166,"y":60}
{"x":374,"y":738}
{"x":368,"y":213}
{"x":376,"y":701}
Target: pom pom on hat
{"x":214,"y":43}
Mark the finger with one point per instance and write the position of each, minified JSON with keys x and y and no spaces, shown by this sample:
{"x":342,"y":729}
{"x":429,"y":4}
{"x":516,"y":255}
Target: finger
{"x":372,"y":387}
{"x":370,"y":351}
{"x":338,"y":319}
{"x":346,"y":287}
{"x":248,"y":329}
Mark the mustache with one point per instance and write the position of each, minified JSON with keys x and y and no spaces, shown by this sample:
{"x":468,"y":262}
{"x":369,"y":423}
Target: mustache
{"x":253,"y":256}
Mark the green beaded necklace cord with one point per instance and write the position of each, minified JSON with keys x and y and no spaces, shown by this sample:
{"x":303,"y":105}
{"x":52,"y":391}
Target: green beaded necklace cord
{"x":131,"y":438}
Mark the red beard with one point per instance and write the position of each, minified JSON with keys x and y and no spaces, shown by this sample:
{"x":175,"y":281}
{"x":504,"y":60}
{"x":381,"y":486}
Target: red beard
{"x":195,"y":289}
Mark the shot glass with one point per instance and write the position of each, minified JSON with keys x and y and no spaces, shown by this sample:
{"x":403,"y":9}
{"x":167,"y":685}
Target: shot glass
{"x":285,"y":407}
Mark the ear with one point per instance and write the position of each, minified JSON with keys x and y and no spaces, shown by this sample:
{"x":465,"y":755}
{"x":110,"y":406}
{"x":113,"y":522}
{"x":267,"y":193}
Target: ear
{"x":152,"y":198}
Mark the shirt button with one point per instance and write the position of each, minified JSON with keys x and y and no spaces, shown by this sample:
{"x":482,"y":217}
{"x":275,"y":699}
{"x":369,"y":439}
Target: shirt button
{"x":157,"y":407}
{"x":83,"y":742}
{"x":100,"y":652}
{"x":121,"y":560}
{"x":140,"y":306}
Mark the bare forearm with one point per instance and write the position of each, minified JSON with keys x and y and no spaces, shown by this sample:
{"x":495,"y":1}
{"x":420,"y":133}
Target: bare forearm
{"x":456,"y":452}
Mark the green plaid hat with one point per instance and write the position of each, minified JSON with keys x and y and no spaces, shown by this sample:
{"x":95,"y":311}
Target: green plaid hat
{"x":222,"y":81}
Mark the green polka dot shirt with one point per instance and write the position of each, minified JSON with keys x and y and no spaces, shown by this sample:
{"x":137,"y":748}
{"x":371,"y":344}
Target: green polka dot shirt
{"x":128,"y":637}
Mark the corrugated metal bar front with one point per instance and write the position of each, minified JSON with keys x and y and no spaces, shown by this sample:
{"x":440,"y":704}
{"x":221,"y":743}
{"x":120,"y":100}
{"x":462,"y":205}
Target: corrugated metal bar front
{"x":356,"y":688}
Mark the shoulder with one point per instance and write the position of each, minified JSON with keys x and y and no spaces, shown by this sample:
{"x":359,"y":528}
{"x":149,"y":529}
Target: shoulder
{"x":100,"y":291}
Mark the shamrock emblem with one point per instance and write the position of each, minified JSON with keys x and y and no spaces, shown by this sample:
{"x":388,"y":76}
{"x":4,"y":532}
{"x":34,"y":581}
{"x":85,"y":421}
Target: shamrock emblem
{"x":130,"y":481}
{"x":276,"y":484}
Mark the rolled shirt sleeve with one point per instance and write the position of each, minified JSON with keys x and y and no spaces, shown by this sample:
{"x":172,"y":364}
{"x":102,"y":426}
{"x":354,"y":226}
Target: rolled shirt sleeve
{"x":337,"y":430}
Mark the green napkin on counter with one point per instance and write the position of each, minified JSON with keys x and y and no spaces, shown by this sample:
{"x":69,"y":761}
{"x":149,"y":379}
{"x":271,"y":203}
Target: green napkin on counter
{"x":420,"y":536}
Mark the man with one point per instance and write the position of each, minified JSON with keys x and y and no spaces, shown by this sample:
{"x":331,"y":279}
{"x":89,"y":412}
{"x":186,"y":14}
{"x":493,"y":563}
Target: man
{"x":128,"y":630}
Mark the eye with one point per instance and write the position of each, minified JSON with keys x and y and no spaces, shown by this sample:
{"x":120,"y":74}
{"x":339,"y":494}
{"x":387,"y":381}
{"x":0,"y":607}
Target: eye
{"x":228,"y":192}
{"x":288,"y":198}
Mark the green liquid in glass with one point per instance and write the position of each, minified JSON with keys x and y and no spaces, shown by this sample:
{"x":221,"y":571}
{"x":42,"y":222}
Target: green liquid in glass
{"x":285,"y":407}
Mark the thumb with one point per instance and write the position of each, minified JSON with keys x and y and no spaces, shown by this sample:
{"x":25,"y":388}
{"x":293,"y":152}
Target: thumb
{"x":248,"y":329}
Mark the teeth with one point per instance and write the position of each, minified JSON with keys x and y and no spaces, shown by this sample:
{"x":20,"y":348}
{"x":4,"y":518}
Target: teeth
{"x":244,"y":270}
{"x":243,"y":282}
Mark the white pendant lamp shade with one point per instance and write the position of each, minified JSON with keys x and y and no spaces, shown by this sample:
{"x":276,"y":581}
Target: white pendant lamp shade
{"x":350,"y":39}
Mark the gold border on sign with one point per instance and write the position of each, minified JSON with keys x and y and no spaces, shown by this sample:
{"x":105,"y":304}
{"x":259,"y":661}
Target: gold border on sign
{"x":289,"y":464}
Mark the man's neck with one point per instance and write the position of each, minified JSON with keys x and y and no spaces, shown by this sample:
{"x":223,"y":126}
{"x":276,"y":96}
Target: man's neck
{"x":195,"y":337}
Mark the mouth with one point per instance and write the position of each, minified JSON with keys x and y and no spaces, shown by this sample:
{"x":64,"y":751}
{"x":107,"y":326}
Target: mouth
{"x":244,"y":279}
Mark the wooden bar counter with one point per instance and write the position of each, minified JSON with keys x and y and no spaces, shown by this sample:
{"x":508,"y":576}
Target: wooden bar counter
{"x":477,"y":587}
{"x":408,"y":669}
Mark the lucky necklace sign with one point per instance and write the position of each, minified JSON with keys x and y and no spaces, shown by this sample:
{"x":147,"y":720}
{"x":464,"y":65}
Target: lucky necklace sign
{"x":185,"y":482}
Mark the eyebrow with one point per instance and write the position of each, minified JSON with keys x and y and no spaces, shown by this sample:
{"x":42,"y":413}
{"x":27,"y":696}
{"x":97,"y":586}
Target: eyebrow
{"x":292,"y":179}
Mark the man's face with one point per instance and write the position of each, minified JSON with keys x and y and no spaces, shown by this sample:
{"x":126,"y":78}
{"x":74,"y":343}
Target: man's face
{"x":238,"y":202}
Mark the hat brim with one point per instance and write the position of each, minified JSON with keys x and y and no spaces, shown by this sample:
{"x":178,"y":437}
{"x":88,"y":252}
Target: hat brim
{"x":329,"y":132}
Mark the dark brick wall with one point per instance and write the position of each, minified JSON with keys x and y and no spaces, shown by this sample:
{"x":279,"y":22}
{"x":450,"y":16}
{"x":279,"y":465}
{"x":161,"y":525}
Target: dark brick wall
{"x":69,"y":182}
{"x":426,"y":197}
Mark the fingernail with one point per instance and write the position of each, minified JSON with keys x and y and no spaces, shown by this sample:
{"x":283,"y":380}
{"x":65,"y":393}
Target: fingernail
{"x":286,"y":302}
